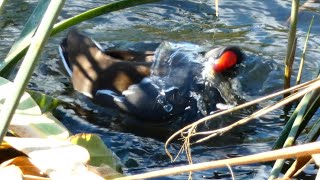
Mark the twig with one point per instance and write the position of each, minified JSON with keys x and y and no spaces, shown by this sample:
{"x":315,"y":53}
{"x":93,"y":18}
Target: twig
{"x":194,"y":125}
{"x":296,"y":151}
{"x":260,"y":112}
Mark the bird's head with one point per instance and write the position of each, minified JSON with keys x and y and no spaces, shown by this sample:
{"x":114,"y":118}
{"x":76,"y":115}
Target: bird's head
{"x":223,"y":61}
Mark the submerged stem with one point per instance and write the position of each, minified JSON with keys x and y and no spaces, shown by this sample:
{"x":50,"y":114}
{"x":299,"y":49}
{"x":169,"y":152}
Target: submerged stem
{"x":291,"y":43}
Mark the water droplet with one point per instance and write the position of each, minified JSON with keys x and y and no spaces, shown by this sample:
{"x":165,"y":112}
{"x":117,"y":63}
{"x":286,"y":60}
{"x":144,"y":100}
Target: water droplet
{"x":161,"y":99}
{"x":168,"y":107}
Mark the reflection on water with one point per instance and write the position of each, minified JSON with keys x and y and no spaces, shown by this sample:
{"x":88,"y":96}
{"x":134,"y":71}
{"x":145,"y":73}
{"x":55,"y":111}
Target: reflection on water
{"x":258,"y":27}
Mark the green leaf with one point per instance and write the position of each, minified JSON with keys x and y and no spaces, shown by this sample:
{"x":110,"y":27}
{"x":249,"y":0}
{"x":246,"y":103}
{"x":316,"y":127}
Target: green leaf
{"x":26,"y":106}
{"x":45,"y":102}
{"x":26,"y":69}
{"x":314,"y":132}
{"x":114,"y":6}
{"x":28,"y":121}
{"x":38,"y":126}
{"x":100,"y":154}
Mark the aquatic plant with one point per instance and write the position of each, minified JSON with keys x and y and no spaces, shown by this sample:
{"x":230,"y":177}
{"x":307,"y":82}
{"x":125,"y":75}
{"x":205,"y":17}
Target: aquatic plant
{"x":291,"y":46}
{"x":217,"y":7}
{"x":27,"y":66}
{"x":2,"y":4}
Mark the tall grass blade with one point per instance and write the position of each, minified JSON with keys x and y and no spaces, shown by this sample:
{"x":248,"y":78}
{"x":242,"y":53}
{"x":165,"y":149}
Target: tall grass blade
{"x":31,"y":25}
{"x":314,"y":132}
{"x":41,"y":36}
{"x":24,"y":39}
{"x":217,"y":7}
{"x":302,"y":107}
{"x":300,"y":163}
{"x":313,"y":107}
{"x":310,"y":112}
{"x":304,"y":53}
{"x":307,"y":99}
{"x":2,"y":4}
{"x":294,"y":124}
{"x":290,"y":45}
{"x":92,"y":13}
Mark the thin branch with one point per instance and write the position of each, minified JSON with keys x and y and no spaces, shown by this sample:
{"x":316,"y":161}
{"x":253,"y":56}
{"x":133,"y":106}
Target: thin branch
{"x":260,"y":112}
{"x":290,"y":152}
{"x":194,"y":125}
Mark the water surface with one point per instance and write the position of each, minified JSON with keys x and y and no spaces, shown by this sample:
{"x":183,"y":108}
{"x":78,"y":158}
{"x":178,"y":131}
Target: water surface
{"x":258,"y":27}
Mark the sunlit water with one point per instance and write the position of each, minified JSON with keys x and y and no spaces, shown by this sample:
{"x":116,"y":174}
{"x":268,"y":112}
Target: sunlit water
{"x":257,"y":27}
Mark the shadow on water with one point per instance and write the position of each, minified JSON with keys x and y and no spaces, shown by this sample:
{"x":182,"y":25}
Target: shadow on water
{"x":259,"y":28}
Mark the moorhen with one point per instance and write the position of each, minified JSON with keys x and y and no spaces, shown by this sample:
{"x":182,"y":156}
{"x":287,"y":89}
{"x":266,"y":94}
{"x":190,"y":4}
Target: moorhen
{"x":175,"y":80}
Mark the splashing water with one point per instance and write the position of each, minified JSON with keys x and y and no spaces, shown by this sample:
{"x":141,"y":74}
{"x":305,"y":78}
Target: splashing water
{"x":178,"y":67}
{"x":161,"y":99}
{"x":182,"y":76}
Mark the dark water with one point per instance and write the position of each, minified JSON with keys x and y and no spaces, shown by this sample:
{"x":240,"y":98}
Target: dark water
{"x":258,"y":27}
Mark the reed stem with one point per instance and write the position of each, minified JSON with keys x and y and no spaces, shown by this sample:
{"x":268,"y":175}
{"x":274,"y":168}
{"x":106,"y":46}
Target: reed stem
{"x":304,"y":53}
{"x":291,"y":43}
{"x":2,"y":4}
{"x":298,"y":151}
